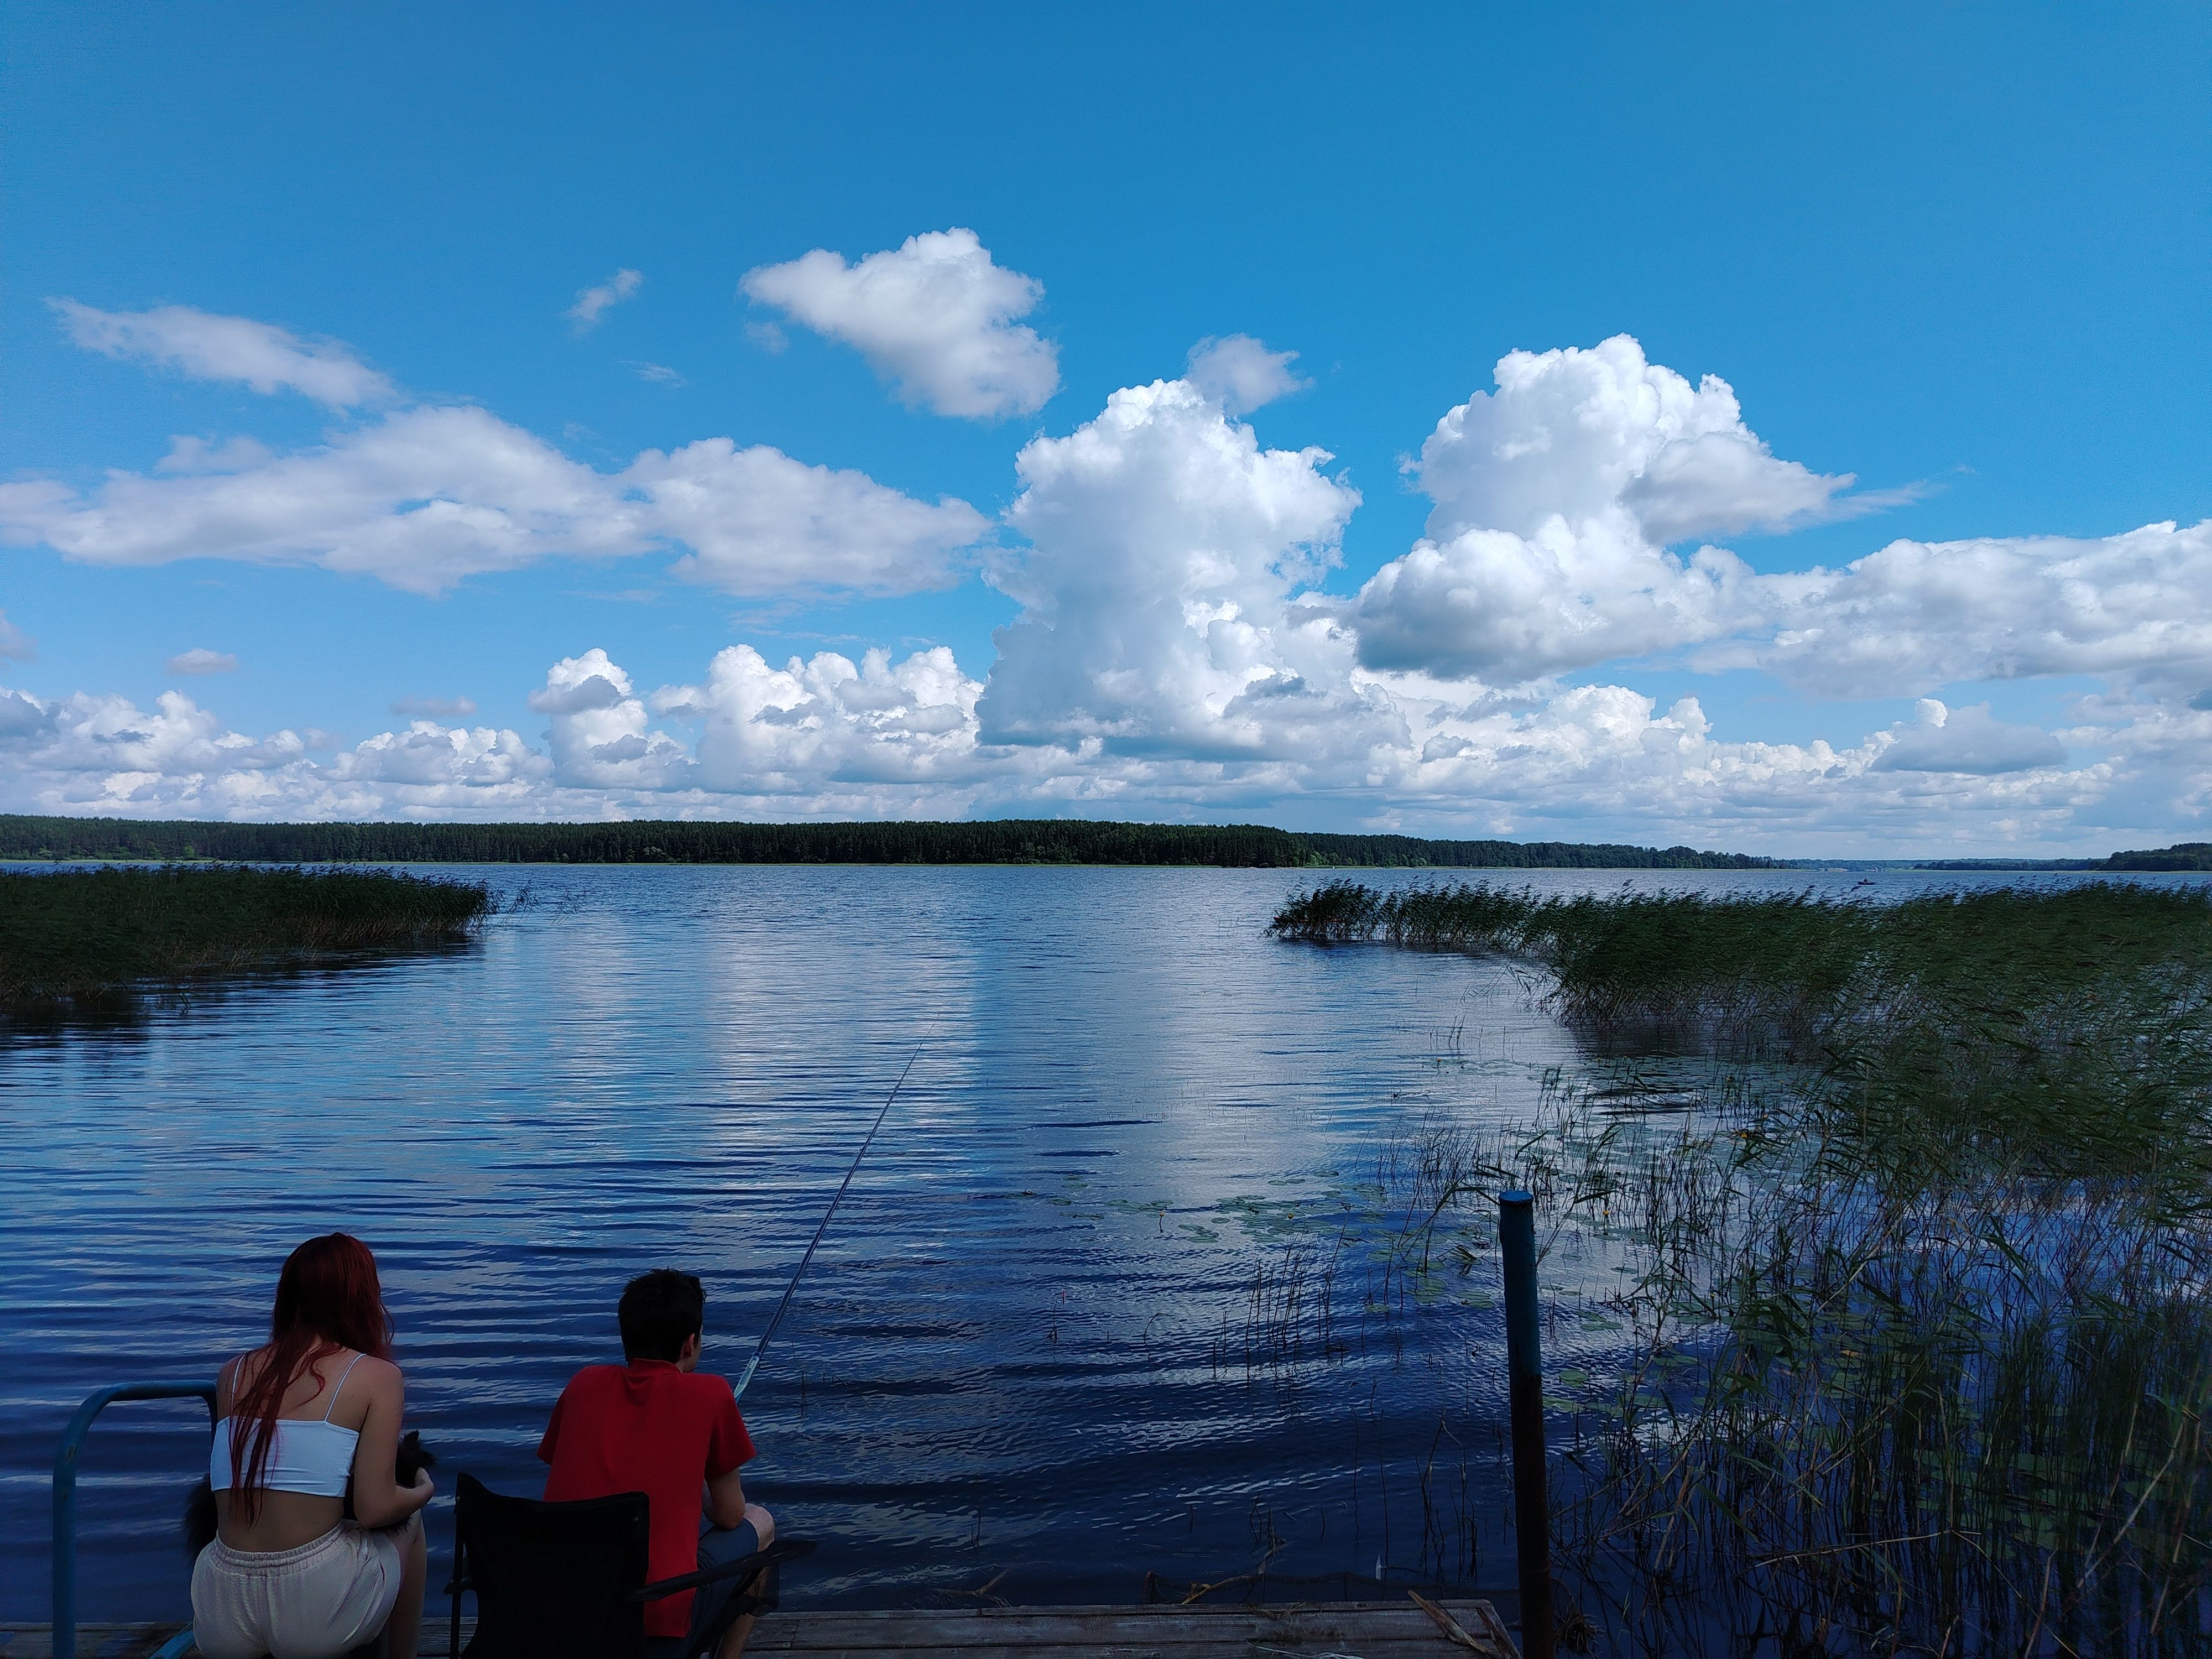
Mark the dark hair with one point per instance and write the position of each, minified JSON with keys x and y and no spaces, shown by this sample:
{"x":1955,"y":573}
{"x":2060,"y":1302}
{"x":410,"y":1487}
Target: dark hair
{"x":659,"y":1311}
{"x":327,"y":1298}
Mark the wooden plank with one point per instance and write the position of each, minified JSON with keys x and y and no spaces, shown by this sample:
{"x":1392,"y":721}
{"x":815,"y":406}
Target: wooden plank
{"x":1363,"y":1628}
{"x":93,"y":1641}
{"x":1234,"y":1623}
{"x":1355,"y":1630}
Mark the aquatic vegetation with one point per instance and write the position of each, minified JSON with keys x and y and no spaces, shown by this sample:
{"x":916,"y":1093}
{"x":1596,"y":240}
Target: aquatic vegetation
{"x":94,"y":935}
{"x":2069,"y":1028}
{"x":1914,"y":1314}
{"x":1851,"y":1413}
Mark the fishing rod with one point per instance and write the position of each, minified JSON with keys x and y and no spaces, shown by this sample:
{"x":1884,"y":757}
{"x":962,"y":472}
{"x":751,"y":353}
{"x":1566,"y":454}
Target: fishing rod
{"x":784,"y":1306}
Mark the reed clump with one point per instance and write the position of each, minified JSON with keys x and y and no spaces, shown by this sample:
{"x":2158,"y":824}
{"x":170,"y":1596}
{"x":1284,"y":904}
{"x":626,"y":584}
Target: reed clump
{"x":1855,"y":1414}
{"x":98,"y":936}
{"x":2069,"y":1030}
{"x":1915,"y":1319}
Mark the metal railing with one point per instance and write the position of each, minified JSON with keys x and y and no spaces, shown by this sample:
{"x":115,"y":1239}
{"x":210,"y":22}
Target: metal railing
{"x":65,"y":1497}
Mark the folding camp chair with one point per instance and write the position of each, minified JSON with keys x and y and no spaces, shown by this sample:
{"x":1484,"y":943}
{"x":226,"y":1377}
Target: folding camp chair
{"x":560,"y":1579}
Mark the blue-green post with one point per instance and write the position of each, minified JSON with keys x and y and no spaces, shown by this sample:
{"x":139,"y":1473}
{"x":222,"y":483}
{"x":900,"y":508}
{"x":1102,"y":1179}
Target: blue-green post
{"x":1524,"y":1366}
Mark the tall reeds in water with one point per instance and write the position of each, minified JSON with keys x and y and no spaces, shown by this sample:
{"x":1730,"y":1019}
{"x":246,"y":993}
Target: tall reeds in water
{"x":94,"y":935}
{"x":1917,"y":1322}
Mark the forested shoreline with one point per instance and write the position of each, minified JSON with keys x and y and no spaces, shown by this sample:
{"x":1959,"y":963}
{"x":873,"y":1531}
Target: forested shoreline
{"x":1011,"y":841}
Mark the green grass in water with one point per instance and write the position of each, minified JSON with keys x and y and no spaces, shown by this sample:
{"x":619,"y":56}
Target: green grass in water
{"x":2068,"y":1028}
{"x":1916,"y":1320}
{"x":96,"y":935}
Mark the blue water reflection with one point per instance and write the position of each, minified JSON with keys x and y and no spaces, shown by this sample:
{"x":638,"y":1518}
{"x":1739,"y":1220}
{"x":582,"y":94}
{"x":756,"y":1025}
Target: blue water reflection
{"x":1024,"y":1348}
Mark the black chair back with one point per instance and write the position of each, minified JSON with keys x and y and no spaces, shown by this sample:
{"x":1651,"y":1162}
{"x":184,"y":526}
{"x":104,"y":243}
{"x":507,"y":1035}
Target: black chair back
{"x":551,"y":1580}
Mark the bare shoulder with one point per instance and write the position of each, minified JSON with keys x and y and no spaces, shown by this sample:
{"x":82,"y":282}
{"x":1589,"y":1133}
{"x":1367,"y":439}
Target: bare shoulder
{"x":380,"y":1375}
{"x":373,"y":1387}
{"x":231,"y":1375}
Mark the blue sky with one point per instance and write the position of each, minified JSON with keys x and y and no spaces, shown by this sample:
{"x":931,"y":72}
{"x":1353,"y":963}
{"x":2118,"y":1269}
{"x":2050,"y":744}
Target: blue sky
{"x":1960,"y":254}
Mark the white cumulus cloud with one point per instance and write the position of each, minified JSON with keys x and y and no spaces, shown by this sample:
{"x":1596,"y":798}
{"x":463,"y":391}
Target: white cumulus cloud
{"x":756,"y":521}
{"x":1175,"y":654}
{"x":208,"y":347}
{"x":828,"y":726}
{"x":935,"y":316}
{"x":1918,"y":614}
{"x":425,"y":497}
{"x":592,"y":303}
{"x":16,"y":646}
{"x":1969,"y":739}
{"x":1556,"y":499}
{"x":1598,"y":434}
{"x":1166,"y":548}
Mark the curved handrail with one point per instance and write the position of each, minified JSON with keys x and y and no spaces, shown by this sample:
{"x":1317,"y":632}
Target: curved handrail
{"x":65,"y":1490}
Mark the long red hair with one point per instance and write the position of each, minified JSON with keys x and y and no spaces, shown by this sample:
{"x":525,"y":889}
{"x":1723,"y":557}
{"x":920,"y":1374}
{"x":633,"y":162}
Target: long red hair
{"x":327,"y":1298}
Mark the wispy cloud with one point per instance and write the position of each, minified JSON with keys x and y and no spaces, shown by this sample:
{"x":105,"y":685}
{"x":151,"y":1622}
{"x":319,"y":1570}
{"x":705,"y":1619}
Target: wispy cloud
{"x":434,"y":708}
{"x":201,"y":660}
{"x":1243,"y":372}
{"x":592,"y":303}
{"x":658,"y":373}
{"x":208,"y":347}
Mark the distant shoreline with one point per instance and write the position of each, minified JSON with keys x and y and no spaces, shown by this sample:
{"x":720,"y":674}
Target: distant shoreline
{"x":999,"y":841}
{"x":1010,"y":841}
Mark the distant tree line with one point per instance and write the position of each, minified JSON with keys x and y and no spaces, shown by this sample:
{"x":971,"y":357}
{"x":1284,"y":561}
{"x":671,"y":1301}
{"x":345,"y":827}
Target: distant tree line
{"x":1008,"y":841}
{"x":1409,"y":851}
{"x":2187,"y":855}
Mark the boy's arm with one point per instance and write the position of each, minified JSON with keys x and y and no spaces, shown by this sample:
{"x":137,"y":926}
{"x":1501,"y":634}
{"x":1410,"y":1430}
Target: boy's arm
{"x":725,"y":1499}
{"x":552,"y":1430}
{"x":729,"y":1445}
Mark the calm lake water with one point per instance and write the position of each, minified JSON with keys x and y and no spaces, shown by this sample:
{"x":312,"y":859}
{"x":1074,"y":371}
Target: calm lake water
{"x":1033,"y":1352}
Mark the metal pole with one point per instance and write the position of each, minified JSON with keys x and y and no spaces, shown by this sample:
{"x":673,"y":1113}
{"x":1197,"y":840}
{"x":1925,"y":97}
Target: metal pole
{"x":64,"y":1612}
{"x":1532,"y":1504}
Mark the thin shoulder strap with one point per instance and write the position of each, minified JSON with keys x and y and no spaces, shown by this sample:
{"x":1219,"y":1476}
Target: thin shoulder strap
{"x":342,"y":1375}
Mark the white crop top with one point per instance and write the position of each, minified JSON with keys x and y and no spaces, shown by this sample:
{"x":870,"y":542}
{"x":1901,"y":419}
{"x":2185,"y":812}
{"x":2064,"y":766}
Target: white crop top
{"x":305,"y":1455}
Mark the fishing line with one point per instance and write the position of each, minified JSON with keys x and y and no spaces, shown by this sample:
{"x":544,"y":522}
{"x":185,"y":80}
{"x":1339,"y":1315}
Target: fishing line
{"x":784,"y":1306}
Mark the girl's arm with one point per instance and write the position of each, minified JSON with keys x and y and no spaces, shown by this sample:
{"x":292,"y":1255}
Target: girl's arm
{"x":378,"y":1500}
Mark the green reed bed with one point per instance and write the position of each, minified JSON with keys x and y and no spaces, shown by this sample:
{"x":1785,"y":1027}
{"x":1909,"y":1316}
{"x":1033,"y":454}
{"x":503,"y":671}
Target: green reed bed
{"x":95,"y":936}
{"x":1916,"y":1320}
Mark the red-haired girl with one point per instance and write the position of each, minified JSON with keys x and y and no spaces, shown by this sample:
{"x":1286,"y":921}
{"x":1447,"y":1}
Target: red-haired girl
{"x":288,"y":1576}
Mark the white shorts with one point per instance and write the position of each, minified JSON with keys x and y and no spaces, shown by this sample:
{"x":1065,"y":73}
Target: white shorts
{"x":311,"y":1602}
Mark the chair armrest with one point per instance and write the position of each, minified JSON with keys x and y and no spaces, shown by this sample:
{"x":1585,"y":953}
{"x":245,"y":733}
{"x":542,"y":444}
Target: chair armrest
{"x":784,"y":1549}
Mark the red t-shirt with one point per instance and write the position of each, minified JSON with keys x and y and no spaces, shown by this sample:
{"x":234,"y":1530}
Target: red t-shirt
{"x":648,"y":1427}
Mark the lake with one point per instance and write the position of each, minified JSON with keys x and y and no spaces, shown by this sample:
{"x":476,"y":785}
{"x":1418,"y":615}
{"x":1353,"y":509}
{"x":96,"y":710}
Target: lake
{"x":1042,"y":1349}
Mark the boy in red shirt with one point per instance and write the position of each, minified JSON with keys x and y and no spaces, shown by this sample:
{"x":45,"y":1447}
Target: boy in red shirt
{"x":655,"y":1425}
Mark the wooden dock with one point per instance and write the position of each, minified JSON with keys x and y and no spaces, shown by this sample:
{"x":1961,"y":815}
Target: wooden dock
{"x":1345,"y":1630}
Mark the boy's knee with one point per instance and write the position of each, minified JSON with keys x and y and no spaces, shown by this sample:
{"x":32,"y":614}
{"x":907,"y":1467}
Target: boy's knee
{"x":764,"y":1524}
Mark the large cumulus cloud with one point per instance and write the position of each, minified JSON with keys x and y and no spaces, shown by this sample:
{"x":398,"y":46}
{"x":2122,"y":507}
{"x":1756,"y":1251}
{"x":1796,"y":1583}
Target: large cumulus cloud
{"x":1167,"y":552}
{"x":1559,"y":500}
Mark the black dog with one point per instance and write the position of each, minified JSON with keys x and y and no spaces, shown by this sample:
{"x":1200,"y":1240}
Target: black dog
{"x":412,"y":1459}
